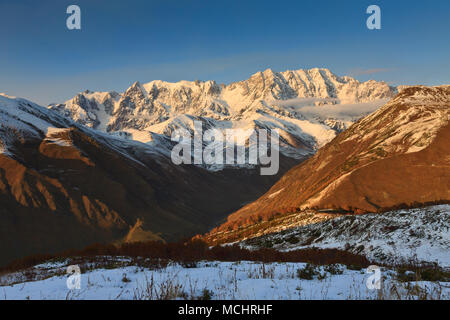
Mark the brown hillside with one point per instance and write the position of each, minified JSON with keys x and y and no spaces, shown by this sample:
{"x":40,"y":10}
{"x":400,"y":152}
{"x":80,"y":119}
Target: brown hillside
{"x":398,"y":155}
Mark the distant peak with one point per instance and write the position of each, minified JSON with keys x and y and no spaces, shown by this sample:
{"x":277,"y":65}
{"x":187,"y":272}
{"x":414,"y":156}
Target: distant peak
{"x":7,"y":96}
{"x":319,"y":70}
{"x":134,"y":86}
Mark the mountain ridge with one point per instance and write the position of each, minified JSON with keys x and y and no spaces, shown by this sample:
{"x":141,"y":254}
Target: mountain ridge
{"x":65,"y":186}
{"x":266,"y":100}
{"x":374,"y":165}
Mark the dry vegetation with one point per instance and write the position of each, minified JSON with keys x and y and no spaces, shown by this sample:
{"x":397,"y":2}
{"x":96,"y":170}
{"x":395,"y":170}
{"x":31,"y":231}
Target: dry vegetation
{"x":190,"y":252}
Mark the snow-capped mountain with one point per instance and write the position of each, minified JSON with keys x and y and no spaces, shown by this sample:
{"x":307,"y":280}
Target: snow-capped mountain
{"x":306,"y":107}
{"x":63,"y":186}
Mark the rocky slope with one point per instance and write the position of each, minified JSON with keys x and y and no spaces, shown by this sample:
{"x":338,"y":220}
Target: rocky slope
{"x":399,"y":155}
{"x":395,"y":237}
{"x":278,"y":101}
{"x":63,"y":186}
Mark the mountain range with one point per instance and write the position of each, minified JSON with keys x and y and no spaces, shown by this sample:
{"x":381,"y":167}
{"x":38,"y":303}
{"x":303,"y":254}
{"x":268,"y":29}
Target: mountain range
{"x":64,"y":185}
{"x":287,"y":102}
{"x":97,"y":167}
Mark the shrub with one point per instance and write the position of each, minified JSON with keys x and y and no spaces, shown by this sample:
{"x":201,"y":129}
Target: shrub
{"x":333,"y":269}
{"x":354,"y":267}
{"x":415,"y":272}
{"x":434,"y":274}
{"x":206,"y":295}
{"x":125,"y":279}
{"x":189,"y":264}
{"x":405,"y":275}
{"x":308,"y":272}
{"x":267,"y":244}
{"x":293,"y":240}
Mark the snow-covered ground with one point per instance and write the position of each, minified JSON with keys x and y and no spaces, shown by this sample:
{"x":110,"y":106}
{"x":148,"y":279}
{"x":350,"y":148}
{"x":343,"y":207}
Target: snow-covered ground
{"x":421,"y":234}
{"x":223,"y":280}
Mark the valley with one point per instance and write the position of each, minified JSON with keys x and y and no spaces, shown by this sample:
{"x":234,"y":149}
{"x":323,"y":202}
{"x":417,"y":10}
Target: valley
{"x":361,"y":177}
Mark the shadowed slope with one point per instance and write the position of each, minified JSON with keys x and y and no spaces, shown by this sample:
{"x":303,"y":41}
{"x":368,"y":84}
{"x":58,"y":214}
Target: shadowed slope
{"x":64,"y":186}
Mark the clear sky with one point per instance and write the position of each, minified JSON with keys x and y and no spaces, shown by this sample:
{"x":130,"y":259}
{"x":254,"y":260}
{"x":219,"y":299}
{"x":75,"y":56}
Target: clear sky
{"x":124,"y":41}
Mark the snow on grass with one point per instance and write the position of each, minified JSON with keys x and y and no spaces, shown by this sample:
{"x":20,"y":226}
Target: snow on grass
{"x":223,"y":280}
{"x":421,"y":234}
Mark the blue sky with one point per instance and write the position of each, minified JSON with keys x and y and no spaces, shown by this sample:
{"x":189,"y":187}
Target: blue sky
{"x":124,"y":41}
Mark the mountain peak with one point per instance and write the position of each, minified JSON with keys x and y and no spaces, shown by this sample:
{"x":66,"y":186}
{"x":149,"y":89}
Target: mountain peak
{"x":268,"y":71}
{"x":136,"y":89}
{"x":262,"y":100}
